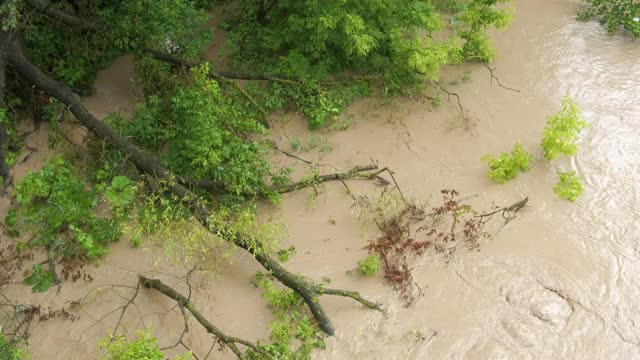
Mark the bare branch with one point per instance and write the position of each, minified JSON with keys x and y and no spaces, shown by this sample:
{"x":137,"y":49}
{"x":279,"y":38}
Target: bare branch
{"x":184,"y":302}
{"x":493,"y":76}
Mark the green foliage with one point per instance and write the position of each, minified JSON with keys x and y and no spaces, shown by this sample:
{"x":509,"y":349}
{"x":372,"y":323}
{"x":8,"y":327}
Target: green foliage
{"x":613,"y":14}
{"x":10,"y":13}
{"x":12,"y":138}
{"x":561,"y":132}
{"x":293,"y":334}
{"x":56,"y":206}
{"x":391,"y":44}
{"x":285,"y":254}
{"x":10,"y":350}
{"x":322,"y":105}
{"x":507,"y":166}
{"x":570,"y":185}
{"x":205,"y":134}
{"x":476,"y":16}
{"x":370,"y":265}
{"x":120,"y":194}
{"x":143,"y":347}
{"x":40,"y":279}
{"x":75,"y":56}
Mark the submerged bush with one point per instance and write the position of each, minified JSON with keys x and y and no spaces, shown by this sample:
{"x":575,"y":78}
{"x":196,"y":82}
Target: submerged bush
{"x":206,"y":134}
{"x":507,"y":166}
{"x":293,"y":334}
{"x":613,"y":14}
{"x":370,"y":265}
{"x":58,"y":208}
{"x":570,"y":185}
{"x":143,"y":347}
{"x":561,"y":132}
{"x":9,"y":350}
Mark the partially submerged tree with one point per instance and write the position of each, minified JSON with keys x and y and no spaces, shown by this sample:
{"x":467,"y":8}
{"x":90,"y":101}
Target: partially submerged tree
{"x":191,"y":137}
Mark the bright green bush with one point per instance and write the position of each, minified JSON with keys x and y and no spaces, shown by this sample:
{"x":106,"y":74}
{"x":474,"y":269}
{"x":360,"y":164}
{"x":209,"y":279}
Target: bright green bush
{"x":570,"y":185}
{"x":143,"y":347}
{"x":10,"y":351}
{"x":391,"y":45}
{"x":613,"y":14}
{"x":293,"y":334}
{"x":562,"y":130}
{"x":370,"y":265}
{"x":507,"y":166}
{"x":57,"y":207}
{"x":206,"y":134}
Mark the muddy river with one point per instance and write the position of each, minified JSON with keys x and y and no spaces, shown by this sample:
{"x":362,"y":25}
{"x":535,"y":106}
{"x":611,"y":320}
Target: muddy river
{"x":558,"y":282}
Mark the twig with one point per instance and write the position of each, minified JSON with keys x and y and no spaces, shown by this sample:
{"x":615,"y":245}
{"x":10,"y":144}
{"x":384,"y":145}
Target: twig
{"x":449,"y":94}
{"x":352,"y":294}
{"x":357,"y":172}
{"x":293,"y":156}
{"x":493,"y":76}
{"x":124,"y":310}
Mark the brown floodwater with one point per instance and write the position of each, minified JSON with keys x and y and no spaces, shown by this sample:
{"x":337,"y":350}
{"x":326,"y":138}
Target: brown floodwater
{"x":558,"y":282}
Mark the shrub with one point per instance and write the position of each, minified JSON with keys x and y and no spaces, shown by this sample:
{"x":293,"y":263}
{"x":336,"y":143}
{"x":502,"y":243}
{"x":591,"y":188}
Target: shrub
{"x":9,"y":350}
{"x":507,"y":166}
{"x":561,"y":132}
{"x":613,"y":14}
{"x":206,"y":134}
{"x":370,"y":265}
{"x":40,"y":279}
{"x":143,"y":347}
{"x":570,"y":186}
{"x":293,"y":334}
{"x":58,"y":208}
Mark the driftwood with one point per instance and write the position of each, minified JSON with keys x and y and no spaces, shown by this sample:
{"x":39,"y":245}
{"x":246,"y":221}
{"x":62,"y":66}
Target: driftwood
{"x":357,"y":172}
{"x":149,"y":165}
{"x":184,"y":303}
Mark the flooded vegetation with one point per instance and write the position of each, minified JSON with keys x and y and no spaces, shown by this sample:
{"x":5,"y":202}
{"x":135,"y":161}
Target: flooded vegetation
{"x":532,"y":256}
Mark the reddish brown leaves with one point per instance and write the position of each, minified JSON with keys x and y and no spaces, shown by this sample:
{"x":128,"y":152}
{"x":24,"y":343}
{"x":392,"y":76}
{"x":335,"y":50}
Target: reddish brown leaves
{"x":411,"y":232}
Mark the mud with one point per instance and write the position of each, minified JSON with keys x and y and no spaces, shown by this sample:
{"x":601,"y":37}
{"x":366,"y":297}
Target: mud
{"x":559,"y":281}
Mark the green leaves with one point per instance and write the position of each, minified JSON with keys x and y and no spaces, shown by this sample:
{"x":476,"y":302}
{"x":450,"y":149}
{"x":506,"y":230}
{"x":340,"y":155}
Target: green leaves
{"x":206,"y":134}
{"x":56,"y":206}
{"x":9,"y":349}
{"x":562,"y":130}
{"x":394,"y":43}
{"x":370,"y":265}
{"x":614,"y":14}
{"x":40,"y":279}
{"x":121,"y":193}
{"x":293,"y":335}
{"x":142,"y":347}
{"x":559,"y":137}
{"x":570,"y":186}
{"x":507,"y":166}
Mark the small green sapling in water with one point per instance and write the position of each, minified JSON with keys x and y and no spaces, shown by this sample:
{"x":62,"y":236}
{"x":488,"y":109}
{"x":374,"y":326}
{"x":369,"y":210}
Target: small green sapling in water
{"x":570,"y":185}
{"x":507,"y":166}
{"x":370,"y":265}
{"x":40,"y":279}
{"x":561,"y":133}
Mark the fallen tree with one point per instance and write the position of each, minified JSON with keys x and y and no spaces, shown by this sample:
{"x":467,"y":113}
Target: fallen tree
{"x":149,"y":165}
